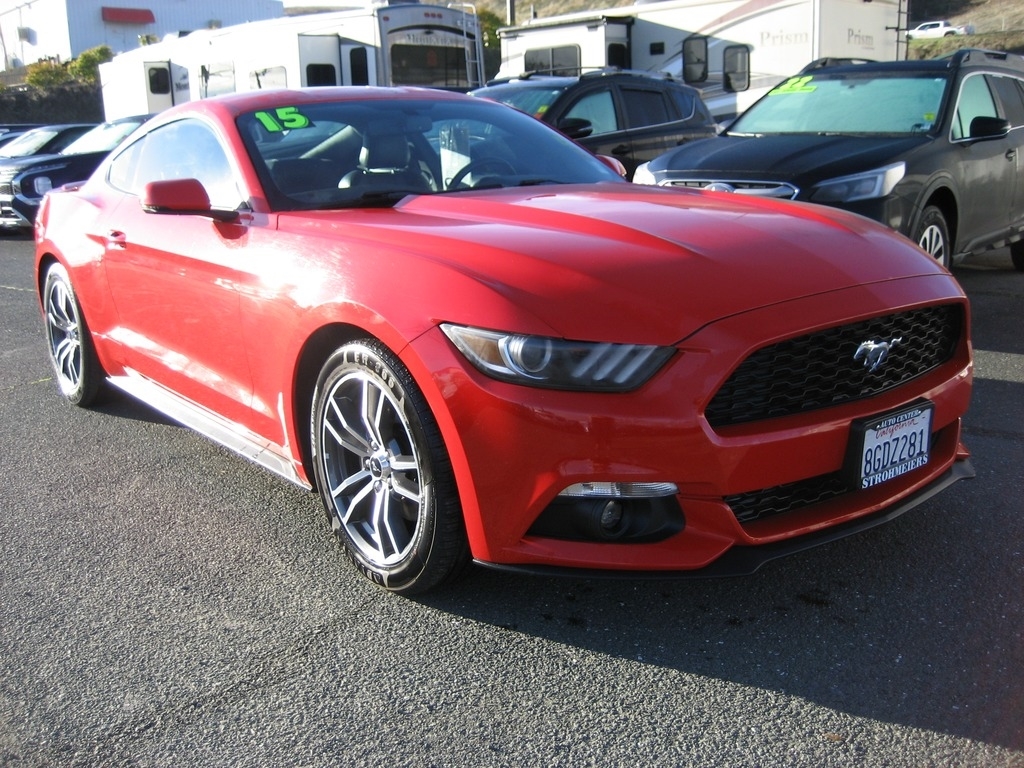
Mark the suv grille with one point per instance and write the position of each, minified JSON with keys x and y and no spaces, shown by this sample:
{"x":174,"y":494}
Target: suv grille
{"x":819,"y":370}
{"x":775,"y":189}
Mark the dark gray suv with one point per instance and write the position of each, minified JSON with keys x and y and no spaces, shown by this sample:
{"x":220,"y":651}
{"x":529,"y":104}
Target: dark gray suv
{"x":632,"y":116}
{"x":934,"y":149}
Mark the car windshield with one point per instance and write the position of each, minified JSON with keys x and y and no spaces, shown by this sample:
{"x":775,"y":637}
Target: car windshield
{"x":374,"y":152}
{"x":102,"y":138}
{"x":28,"y":143}
{"x":534,"y":100}
{"x":868,"y":103}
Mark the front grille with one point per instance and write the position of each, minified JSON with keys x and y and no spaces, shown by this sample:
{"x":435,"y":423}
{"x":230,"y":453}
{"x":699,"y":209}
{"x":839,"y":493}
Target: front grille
{"x":6,"y":188}
{"x":819,"y":370}
{"x":776,"y":189}
{"x":755,"y":505}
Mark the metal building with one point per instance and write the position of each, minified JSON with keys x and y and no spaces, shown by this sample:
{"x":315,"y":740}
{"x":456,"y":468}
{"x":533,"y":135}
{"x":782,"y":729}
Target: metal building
{"x":36,"y":30}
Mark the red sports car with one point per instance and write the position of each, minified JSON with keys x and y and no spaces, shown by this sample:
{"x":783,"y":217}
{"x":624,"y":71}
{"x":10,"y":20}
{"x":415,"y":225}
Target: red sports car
{"x":477,"y":341}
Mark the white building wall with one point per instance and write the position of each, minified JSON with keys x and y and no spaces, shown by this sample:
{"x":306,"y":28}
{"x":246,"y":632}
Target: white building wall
{"x":32,"y":30}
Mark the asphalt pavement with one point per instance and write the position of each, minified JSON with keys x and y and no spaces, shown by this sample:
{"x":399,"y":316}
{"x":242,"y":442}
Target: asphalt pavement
{"x":165,"y":603}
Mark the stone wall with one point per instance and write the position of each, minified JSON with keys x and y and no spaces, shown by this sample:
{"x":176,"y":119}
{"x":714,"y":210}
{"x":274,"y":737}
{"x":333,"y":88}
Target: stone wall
{"x":71,"y":103}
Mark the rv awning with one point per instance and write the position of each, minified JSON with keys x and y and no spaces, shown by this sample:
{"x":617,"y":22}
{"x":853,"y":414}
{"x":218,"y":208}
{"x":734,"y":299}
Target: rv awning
{"x":127,"y":15}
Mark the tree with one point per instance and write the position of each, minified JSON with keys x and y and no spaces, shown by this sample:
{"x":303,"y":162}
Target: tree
{"x":86,"y":67}
{"x":47,"y":73}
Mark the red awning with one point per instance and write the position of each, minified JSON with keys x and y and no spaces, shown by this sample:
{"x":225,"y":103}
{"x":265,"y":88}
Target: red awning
{"x":128,"y":15}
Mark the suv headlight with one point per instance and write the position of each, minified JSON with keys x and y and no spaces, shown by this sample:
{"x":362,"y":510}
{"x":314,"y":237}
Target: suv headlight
{"x":859,"y":186}
{"x":541,"y":361}
{"x":643,"y":175}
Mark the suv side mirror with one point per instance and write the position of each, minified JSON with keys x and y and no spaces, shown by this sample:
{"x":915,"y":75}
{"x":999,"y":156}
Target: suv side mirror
{"x":575,"y":127}
{"x":989,"y":128}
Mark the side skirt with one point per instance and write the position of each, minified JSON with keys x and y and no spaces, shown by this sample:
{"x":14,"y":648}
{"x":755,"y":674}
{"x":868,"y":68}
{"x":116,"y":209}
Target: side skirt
{"x":228,"y":434}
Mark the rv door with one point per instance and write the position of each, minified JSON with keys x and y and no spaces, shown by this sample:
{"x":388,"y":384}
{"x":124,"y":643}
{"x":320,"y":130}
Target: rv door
{"x":159,"y":86}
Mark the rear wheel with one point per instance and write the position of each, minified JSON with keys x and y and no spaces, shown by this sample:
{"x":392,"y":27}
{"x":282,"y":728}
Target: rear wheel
{"x":383,"y":472}
{"x":1017,"y":254}
{"x":933,"y":235}
{"x":75,"y":365}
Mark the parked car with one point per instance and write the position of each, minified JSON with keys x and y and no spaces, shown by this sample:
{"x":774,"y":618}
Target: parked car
{"x":941,"y":28}
{"x":24,"y":181}
{"x":633,"y":116}
{"x":45,"y":140}
{"x":934,"y":149}
{"x":477,"y":340}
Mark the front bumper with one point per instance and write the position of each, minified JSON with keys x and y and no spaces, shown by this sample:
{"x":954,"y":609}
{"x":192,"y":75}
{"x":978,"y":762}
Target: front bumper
{"x":515,"y":449}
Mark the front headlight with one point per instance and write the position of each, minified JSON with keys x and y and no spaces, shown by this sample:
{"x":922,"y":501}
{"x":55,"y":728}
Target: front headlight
{"x":859,"y":186}
{"x":540,"y":361}
{"x":643,"y":175}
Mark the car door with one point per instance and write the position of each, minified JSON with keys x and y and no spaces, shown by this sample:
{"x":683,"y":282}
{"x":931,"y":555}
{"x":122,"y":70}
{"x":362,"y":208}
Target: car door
{"x":174,"y":277}
{"x":598,"y":104}
{"x":1010,"y":92}
{"x":986,"y":168}
{"x":653,"y":122}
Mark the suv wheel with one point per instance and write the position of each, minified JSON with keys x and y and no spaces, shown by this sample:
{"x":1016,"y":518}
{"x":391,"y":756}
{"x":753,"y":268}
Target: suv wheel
{"x":933,"y":235}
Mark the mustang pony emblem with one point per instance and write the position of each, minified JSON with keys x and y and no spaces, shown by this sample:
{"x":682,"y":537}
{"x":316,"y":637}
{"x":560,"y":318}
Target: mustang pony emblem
{"x":875,"y":352}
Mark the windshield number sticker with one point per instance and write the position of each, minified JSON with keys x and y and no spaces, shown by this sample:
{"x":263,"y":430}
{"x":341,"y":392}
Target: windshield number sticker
{"x":796,"y":85}
{"x":282,"y":119}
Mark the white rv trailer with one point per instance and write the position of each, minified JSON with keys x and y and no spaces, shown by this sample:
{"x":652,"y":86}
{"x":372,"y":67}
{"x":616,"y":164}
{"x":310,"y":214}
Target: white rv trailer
{"x":406,"y":43}
{"x":734,"y":50}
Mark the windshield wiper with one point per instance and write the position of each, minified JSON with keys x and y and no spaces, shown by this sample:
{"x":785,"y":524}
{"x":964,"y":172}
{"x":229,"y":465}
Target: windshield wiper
{"x":378,"y":198}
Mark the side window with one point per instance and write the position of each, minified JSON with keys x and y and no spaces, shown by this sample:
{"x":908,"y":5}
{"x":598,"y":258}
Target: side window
{"x":599,"y":108}
{"x":975,"y":101}
{"x":645,"y":107}
{"x":1011,"y":95}
{"x":186,"y":149}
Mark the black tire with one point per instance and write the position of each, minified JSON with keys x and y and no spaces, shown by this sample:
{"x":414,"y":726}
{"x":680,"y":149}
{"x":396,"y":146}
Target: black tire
{"x":72,"y":354}
{"x":932,"y":235}
{"x":1017,"y":255}
{"x":383,"y":472}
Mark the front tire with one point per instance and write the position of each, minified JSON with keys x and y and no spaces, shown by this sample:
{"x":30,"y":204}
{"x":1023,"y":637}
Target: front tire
{"x":1017,"y":255}
{"x":72,"y":354}
{"x":933,"y":235}
{"x":383,"y":472}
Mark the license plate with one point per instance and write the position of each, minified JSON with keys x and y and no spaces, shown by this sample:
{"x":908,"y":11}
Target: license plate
{"x":887,"y":446}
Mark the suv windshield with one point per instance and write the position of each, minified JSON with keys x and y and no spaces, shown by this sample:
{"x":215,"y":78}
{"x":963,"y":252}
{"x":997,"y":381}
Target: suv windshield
{"x":102,"y":138}
{"x":533,"y":100}
{"x":869,"y":103}
{"x":28,"y":143}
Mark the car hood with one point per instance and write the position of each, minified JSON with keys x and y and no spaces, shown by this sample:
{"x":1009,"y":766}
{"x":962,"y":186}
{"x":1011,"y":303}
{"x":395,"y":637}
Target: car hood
{"x":18,"y":164}
{"x":798,"y":158}
{"x":622,"y":262}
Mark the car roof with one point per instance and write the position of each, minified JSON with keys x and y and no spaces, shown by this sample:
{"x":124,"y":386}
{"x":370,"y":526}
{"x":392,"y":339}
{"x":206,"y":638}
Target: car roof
{"x":946,"y":63}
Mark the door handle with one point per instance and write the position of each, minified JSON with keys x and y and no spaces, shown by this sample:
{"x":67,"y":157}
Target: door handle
{"x":115,"y":239}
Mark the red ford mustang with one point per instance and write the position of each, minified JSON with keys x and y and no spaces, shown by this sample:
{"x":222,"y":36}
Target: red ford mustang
{"x":477,"y":341}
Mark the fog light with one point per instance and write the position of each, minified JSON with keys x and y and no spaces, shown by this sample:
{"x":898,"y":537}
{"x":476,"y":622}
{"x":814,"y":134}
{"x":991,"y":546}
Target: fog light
{"x":611,"y":516}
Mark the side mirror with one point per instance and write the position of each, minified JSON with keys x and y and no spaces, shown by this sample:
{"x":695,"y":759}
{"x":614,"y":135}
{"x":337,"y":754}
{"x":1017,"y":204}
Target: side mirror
{"x":182,"y":197}
{"x":695,"y":59}
{"x":575,"y":127}
{"x":614,"y":163}
{"x":989,"y":128}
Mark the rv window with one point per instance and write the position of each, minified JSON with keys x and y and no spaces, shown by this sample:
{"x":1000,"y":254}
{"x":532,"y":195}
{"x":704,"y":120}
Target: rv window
{"x":217,"y":79}
{"x":320,"y":75}
{"x":563,"y":60}
{"x":159,"y":80}
{"x":359,"y":66}
{"x":618,"y":56}
{"x":264,"y":79}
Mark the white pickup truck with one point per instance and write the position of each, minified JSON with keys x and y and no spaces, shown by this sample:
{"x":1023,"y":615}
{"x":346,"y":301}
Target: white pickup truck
{"x":938,"y":29}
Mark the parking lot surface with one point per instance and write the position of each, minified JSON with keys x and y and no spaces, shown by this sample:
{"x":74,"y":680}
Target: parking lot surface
{"x":165,"y":603}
